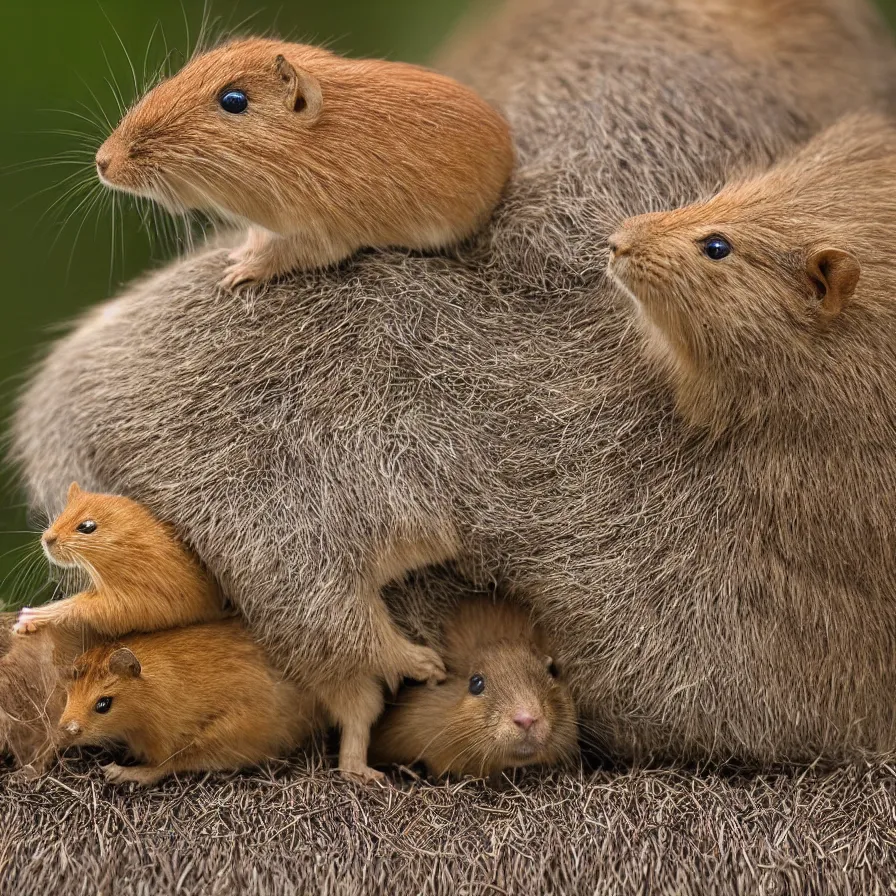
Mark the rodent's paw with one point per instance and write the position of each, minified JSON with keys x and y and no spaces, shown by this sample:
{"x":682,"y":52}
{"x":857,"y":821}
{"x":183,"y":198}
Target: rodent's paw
{"x":424,"y":664}
{"x":364,"y":774}
{"x":30,"y":620}
{"x":240,"y":273}
{"x":142,"y":775}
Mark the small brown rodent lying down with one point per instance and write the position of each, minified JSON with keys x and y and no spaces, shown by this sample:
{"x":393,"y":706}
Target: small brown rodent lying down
{"x":143,"y":577}
{"x":324,"y":155}
{"x":770,"y":306}
{"x":503,"y":704}
{"x":198,"y":698}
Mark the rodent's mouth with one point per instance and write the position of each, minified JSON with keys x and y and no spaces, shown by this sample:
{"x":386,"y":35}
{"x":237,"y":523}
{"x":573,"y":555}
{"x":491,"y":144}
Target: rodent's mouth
{"x":58,"y":558}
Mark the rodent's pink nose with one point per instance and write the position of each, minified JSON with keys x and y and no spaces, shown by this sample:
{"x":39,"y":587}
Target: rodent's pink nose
{"x":524,"y":720}
{"x":73,"y":728}
{"x":49,"y":539}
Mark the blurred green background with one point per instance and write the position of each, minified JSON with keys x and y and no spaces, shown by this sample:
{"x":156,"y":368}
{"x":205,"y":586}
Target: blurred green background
{"x":66,"y":71}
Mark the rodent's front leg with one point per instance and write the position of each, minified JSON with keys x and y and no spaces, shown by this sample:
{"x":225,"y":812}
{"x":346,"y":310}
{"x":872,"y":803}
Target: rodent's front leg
{"x":57,"y":612}
{"x":355,"y":702}
{"x":266,"y":255}
{"x":99,"y":612}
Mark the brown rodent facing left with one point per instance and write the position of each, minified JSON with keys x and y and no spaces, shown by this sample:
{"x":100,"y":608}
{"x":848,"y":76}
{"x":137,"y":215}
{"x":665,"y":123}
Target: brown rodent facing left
{"x":197,"y":698}
{"x":771,"y":305}
{"x":503,"y":704}
{"x":143,"y":577}
{"x":324,"y":155}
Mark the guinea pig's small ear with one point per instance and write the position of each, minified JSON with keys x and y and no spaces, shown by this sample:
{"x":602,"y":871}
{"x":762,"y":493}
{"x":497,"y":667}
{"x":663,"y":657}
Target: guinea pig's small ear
{"x":834,"y":275}
{"x":123,"y":662}
{"x":73,"y":491}
{"x":303,"y":93}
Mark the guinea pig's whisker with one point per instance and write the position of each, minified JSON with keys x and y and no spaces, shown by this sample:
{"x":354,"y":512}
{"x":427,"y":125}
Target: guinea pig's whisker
{"x":99,"y":115}
{"x":84,"y":181}
{"x":127,"y":55}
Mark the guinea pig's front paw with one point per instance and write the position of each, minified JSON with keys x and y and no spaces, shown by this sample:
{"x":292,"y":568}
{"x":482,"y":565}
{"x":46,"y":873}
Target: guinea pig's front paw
{"x":363,"y":773}
{"x":142,"y":775}
{"x":424,"y":664}
{"x":241,"y":272}
{"x":31,"y":619}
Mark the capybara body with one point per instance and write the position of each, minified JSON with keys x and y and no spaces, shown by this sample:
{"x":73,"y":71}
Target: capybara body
{"x":498,"y":409}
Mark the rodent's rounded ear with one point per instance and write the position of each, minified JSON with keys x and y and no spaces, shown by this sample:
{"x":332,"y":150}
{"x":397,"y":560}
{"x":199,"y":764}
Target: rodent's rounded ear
{"x":73,"y":491}
{"x":834,"y":274}
{"x":303,"y":93}
{"x":123,"y":662}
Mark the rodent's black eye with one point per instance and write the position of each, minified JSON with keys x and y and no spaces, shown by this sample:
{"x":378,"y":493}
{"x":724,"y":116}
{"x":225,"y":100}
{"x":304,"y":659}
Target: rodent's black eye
{"x":477,"y":684}
{"x":716,"y":248}
{"x":88,"y":527}
{"x":234,"y":101}
{"x":553,"y":671}
{"x":103,"y":705}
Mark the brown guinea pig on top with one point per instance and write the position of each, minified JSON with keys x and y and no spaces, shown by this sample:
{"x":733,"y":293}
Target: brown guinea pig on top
{"x":143,"y":577}
{"x":323,"y":154}
{"x":503,"y":704}
{"x":771,"y":303}
{"x":191,"y":699}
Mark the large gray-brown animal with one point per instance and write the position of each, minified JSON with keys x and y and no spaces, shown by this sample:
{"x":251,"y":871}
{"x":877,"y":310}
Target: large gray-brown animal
{"x":317,"y":439}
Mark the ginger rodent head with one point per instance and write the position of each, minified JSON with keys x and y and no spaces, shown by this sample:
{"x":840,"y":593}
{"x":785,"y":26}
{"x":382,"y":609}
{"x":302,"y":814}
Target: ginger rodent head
{"x":506,"y":706}
{"x":106,"y":698}
{"x":756,"y":298}
{"x":215,"y":135}
{"x":97,"y":532}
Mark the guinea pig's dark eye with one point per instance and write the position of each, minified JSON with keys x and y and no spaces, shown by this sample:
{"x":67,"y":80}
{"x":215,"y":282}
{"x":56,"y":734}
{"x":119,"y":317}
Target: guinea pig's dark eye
{"x":716,"y":248}
{"x":88,"y":527}
{"x":103,"y":705}
{"x":477,"y":684}
{"x":234,"y":101}
{"x":553,"y":671}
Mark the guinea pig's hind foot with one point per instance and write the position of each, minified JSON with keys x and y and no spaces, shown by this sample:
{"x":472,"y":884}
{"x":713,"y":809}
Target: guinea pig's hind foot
{"x":142,"y":775}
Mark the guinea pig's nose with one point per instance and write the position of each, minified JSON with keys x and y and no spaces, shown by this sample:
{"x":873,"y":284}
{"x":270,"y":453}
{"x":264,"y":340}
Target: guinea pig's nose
{"x":49,"y":540}
{"x":620,"y":243}
{"x":524,"y":720}
{"x":102,"y":161}
{"x":73,"y":728}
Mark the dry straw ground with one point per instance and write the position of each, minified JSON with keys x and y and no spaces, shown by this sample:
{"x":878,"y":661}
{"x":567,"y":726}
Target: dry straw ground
{"x":298,"y":828}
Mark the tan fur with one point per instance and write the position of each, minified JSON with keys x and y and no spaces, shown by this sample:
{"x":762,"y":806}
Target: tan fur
{"x":378,"y":154}
{"x":204,"y":697}
{"x":32,"y":694}
{"x":453,"y":731}
{"x":794,"y":327}
{"x":143,"y":577}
